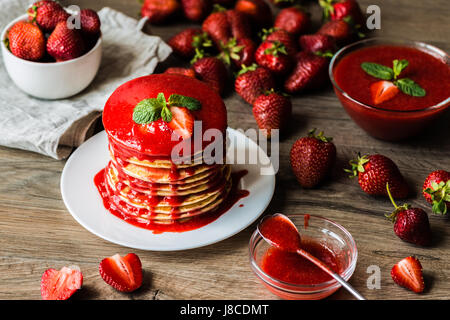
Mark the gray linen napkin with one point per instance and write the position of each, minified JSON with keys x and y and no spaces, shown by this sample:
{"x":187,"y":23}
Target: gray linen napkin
{"x":52,"y":127}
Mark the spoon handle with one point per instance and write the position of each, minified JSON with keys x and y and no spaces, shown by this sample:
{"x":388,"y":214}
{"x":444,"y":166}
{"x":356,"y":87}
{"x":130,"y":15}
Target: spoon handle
{"x":337,"y":277}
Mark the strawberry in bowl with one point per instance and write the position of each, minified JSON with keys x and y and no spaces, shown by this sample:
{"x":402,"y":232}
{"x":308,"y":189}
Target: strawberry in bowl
{"x":47,"y":59}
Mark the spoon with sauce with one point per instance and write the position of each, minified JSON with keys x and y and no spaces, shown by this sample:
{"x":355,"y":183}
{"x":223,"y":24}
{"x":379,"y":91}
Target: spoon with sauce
{"x":280,"y":232}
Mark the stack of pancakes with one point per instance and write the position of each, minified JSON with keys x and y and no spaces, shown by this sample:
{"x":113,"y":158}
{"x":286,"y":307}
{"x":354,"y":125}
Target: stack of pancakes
{"x":159,"y":191}
{"x":142,"y":182}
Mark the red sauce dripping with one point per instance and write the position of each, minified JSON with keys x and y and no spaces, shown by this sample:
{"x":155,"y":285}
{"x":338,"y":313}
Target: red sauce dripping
{"x":293,"y":268}
{"x":194,"y":223}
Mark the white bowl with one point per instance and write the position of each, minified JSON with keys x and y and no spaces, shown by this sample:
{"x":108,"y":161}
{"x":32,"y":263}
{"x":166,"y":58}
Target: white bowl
{"x":52,"y":80}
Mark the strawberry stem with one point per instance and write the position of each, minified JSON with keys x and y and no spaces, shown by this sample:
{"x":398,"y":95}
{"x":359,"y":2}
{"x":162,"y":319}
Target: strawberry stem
{"x":390,"y":196}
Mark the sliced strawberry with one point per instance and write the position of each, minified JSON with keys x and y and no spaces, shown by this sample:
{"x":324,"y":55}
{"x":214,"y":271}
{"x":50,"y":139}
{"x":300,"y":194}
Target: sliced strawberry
{"x":182,"y":122}
{"x":408,"y":273}
{"x":122,"y":273}
{"x":382,"y":91}
{"x":60,"y":285}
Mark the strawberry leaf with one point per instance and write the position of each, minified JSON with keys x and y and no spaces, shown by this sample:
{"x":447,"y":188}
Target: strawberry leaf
{"x":377,"y":70}
{"x":179,"y":100}
{"x":409,"y":87}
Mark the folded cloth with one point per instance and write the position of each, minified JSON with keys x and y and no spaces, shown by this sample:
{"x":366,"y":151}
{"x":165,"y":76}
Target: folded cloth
{"x":54,"y":128}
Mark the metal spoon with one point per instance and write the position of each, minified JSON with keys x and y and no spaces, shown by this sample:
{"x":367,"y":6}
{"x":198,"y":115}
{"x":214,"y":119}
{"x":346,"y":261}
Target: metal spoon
{"x":291,"y":241}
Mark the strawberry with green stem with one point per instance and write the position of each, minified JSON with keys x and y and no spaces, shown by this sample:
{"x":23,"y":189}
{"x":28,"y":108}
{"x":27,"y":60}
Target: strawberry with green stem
{"x":175,"y":112}
{"x":436,"y":190}
{"x":273,"y":56}
{"x":253,"y":81}
{"x":410,"y":224}
{"x":391,"y":84}
{"x":340,"y":9}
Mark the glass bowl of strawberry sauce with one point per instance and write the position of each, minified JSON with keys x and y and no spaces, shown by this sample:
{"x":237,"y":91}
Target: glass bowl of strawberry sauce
{"x":392,"y":102}
{"x":290,"y":276}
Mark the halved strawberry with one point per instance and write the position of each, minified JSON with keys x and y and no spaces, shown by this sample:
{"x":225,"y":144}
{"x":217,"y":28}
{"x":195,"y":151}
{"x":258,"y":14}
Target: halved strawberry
{"x":122,"y":273}
{"x":382,"y":91}
{"x":60,"y":285}
{"x":408,"y":273}
{"x":182,"y":122}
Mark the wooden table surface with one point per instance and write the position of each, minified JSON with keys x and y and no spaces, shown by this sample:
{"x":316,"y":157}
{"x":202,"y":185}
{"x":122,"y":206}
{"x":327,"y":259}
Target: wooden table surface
{"x":37,"y":232}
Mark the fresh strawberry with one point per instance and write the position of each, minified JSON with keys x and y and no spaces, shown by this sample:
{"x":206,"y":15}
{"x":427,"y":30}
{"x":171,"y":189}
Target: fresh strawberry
{"x":340,"y":9}
{"x":340,"y":30}
{"x":48,"y":14}
{"x":64,"y":43}
{"x":410,"y":224}
{"x":60,"y":285}
{"x":374,"y":172}
{"x":293,"y":20}
{"x":317,"y":43}
{"x":122,"y":273}
{"x":436,"y":191}
{"x":158,"y":11}
{"x":312,"y":158}
{"x":257,"y":10}
{"x":241,"y":52}
{"x":272,"y":111}
{"x":212,"y":71}
{"x":282,"y":36}
{"x":188,"y":72}
{"x":183,"y":42}
{"x":252,"y":82}
{"x":90,"y":22}
{"x":26,"y":41}
{"x":273,"y":56}
{"x":310,"y":72}
{"x":224,"y":25}
{"x":196,"y":10}
{"x":32,"y":9}
{"x":408,"y":273}
{"x":182,"y":122}
{"x":382,"y":91}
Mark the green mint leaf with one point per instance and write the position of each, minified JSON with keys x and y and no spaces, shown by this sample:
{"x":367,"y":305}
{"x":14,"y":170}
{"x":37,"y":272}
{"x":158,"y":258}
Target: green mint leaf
{"x":398,"y":66}
{"x":161,"y":99}
{"x":179,"y":100}
{"x":408,"y":86}
{"x":377,"y":70}
{"x":146,"y":111}
{"x":166,"y":115}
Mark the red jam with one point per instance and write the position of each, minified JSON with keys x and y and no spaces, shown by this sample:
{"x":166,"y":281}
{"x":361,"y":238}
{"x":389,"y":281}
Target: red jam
{"x":292,"y":268}
{"x":403,"y":116}
{"x":281,"y":232}
{"x":194,"y":223}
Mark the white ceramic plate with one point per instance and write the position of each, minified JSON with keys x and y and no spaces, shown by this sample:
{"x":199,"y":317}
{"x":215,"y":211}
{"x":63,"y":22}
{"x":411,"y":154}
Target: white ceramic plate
{"x":85,"y":204}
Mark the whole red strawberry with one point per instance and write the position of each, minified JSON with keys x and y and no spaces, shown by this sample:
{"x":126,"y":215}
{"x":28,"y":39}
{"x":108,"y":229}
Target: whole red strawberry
{"x":310,"y":72}
{"x":240,"y":52}
{"x":317,"y":43}
{"x":183,"y":42}
{"x":47,"y":14}
{"x":340,"y":9}
{"x":212,"y":71}
{"x":158,"y":11}
{"x":410,"y":224}
{"x":272,"y":111}
{"x":64,"y":43}
{"x":252,"y":82}
{"x":239,"y":25}
{"x":257,"y":10}
{"x":282,"y":36}
{"x":188,"y":72}
{"x":408,"y":273}
{"x":312,"y":158}
{"x":60,"y":284}
{"x":436,"y":190}
{"x":122,"y":273}
{"x":90,"y":22}
{"x":340,"y":30}
{"x":196,"y":10}
{"x":374,"y":172}
{"x":293,"y":20}
{"x":32,"y":9}
{"x":273,"y":56}
{"x":26,"y":41}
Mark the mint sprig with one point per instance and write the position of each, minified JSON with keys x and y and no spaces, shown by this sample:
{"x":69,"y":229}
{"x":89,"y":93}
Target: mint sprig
{"x":152,"y":109}
{"x":406,"y":85}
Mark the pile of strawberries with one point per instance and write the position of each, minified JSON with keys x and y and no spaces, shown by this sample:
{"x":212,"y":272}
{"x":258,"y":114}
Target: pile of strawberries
{"x":47,"y":37}
{"x":267,"y":55}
